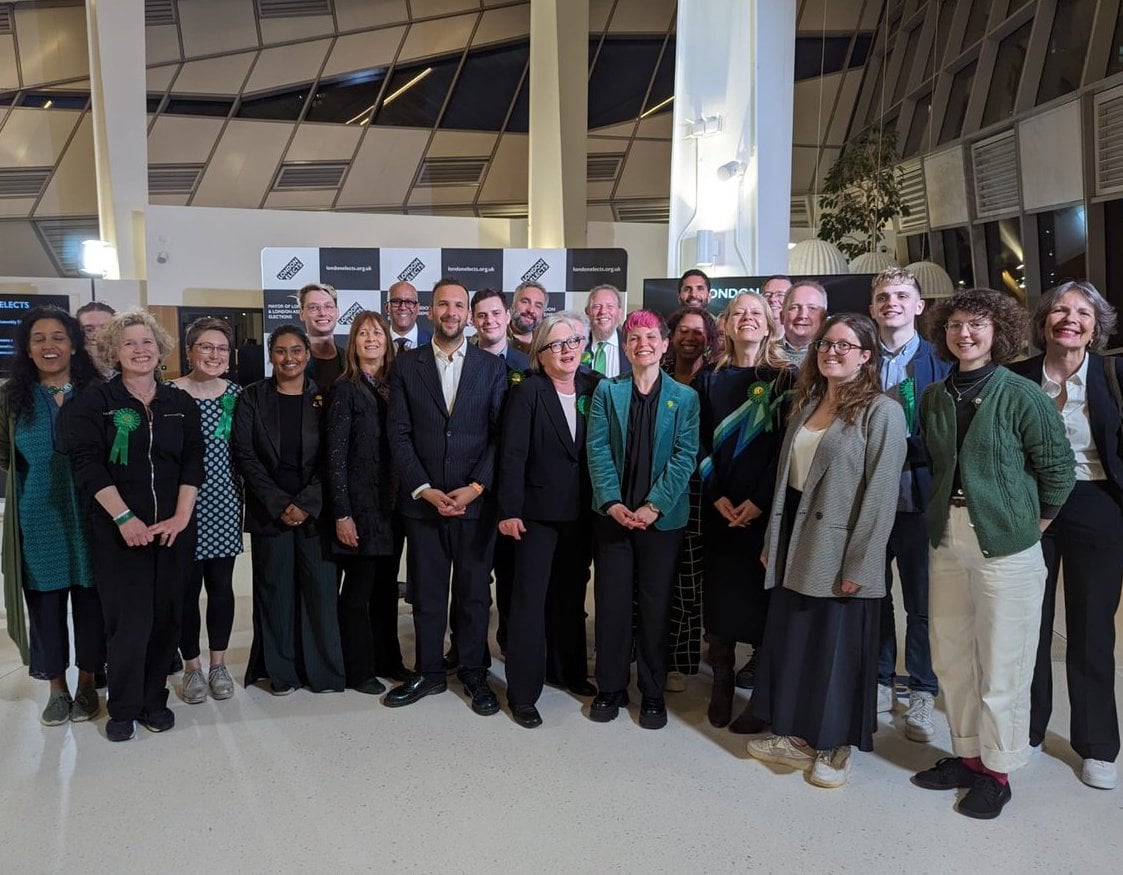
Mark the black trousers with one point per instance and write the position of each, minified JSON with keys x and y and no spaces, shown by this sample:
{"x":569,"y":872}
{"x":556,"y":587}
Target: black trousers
{"x":48,"y":630}
{"x":218,"y":575}
{"x":295,"y":613}
{"x":368,"y":618}
{"x":504,"y":564}
{"x":645,"y":562}
{"x":546,"y":636}
{"x":1086,"y":540}
{"x":141,"y":590}
{"x":464,"y":548}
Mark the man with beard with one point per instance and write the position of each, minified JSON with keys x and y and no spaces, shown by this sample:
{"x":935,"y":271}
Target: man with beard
{"x":529,"y":308}
{"x":694,"y":289}
{"x":445,"y":401}
{"x":805,"y":308}
{"x":402,"y":307}
{"x":605,"y":309}
{"x":319,"y":312}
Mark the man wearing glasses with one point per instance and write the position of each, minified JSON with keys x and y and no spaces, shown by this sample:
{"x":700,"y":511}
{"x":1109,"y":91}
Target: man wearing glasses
{"x":402,"y":307}
{"x":320,"y":313}
{"x":774,"y":290}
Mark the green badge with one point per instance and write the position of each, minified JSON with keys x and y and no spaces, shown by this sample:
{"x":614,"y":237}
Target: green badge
{"x":126,"y":420}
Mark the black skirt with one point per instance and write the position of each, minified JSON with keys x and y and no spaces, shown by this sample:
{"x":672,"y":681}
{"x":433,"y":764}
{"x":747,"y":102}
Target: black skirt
{"x":817,"y":675}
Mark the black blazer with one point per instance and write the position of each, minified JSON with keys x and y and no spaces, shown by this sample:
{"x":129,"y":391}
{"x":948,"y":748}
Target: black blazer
{"x":257,"y":455}
{"x":1103,"y":413}
{"x":358,"y":467}
{"x":543,"y":471}
{"x":428,"y":445}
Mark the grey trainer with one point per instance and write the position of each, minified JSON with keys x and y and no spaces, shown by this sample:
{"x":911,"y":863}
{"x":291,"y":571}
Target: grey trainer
{"x":221,"y":684}
{"x":86,"y":704}
{"x":57,"y":711}
{"x":194,"y":686}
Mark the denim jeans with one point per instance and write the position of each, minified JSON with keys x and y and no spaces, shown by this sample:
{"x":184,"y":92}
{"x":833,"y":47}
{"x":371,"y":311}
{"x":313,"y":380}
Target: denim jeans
{"x":908,"y":544}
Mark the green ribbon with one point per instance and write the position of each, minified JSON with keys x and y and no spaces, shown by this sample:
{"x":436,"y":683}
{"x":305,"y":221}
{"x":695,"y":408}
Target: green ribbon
{"x":583,"y":405}
{"x":907,"y":390}
{"x":226,"y":420}
{"x":126,"y":421}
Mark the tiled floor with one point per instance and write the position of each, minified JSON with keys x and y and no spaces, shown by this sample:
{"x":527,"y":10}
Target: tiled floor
{"x":338,"y":783}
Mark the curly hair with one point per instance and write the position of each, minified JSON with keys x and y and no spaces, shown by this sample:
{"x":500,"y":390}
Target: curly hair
{"x":1009,"y":318}
{"x":709,"y":328}
{"x":1106,"y":316}
{"x":771,"y":352}
{"x":24,"y":373}
{"x":855,"y":395}
{"x":109,"y":338}
{"x":352,"y":370}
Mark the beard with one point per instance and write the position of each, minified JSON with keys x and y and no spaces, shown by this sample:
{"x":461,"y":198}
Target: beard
{"x":524,"y":323}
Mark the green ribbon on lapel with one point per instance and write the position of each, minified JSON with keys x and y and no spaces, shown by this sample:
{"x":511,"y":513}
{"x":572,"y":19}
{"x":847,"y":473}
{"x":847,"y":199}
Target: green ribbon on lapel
{"x":226,"y":421}
{"x":126,"y":421}
{"x":907,"y":391}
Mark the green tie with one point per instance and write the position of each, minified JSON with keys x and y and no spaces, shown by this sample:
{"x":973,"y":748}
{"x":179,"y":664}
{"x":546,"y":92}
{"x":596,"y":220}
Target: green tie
{"x":599,"y":357}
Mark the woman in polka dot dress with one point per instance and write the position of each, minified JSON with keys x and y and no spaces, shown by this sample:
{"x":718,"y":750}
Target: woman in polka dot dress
{"x":218,"y":510}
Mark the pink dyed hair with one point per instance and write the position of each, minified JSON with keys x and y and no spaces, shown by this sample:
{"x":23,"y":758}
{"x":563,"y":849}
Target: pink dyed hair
{"x":645,"y":319}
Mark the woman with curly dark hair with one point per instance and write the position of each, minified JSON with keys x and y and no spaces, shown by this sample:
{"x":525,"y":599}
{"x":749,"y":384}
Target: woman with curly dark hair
{"x":361,"y":493}
{"x":1001,"y":469}
{"x":835,"y":501}
{"x":46,"y":558}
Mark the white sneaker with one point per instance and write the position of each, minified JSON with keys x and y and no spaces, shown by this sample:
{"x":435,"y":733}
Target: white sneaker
{"x":676,"y":682}
{"x":831,"y":767}
{"x":919,"y":725}
{"x":1098,"y":774}
{"x":885,"y":699}
{"x":782,"y":751}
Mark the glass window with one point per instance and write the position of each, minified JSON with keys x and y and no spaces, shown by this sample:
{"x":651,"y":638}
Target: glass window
{"x":219,"y":108}
{"x":917,"y":247}
{"x":485,"y":88}
{"x":878,"y":100}
{"x":1112,"y":288}
{"x":813,"y":53}
{"x":415,"y":94}
{"x":663,"y":86}
{"x":152,"y":102}
{"x":282,"y":106}
{"x":620,"y":79}
{"x":976,"y":22}
{"x":1115,"y":60}
{"x":348,"y":99}
{"x":918,"y":129}
{"x":957,"y":257}
{"x":944,"y":10}
{"x":54,"y":100}
{"x":1007,"y":74}
{"x":907,"y":63}
{"x":958,"y":96}
{"x":1014,"y":6}
{"x":861,"y":51}
{"x":1005,"y":262}
{"x":1062,"y":241}
{"x":1068,"y":47}
{"x":519,"y":122}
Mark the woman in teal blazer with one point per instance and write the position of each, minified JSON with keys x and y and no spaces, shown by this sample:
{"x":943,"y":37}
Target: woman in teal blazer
{"x":642,"y":446}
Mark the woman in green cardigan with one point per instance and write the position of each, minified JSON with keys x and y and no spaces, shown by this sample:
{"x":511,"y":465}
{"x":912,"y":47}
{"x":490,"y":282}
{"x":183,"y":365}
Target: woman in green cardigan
{"x":46,"y":561}
{"x":1001,"y":469}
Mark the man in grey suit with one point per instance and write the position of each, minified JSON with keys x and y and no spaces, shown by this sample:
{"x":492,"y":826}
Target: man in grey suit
{"x":445,"y":400}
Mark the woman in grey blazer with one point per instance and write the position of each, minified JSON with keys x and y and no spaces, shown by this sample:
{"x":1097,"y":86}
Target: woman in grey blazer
{"x":835,"y":502}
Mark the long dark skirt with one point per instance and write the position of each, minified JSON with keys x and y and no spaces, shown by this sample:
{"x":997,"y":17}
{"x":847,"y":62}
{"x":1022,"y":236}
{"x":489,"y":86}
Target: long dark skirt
{"x":817,"y":675}
{"x":734,"y":597}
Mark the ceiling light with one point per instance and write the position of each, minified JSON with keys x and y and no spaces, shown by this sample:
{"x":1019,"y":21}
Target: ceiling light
{"x":657,"y":107}
{"x":408,"y":85}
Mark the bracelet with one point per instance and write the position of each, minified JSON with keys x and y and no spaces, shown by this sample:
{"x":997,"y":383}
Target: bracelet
{"x":476,"y":486}
{"x":124,"y":517}
{"x":342,"y":519}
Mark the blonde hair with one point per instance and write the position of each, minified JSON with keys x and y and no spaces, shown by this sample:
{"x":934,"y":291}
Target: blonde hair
{"x":771,"y":352}
{"x":109,"y":337}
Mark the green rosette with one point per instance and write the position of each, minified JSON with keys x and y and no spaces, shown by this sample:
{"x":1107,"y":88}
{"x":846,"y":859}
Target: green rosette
{"x":226,"y":419}
{"x":126,"y":420}
{"x":583,"y":405}
{"x":907,"y":391}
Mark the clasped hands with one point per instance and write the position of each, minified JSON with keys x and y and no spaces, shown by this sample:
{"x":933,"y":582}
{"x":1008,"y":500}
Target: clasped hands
{"x":641,"y":518}
{"x":450,"y":504}
{"x":738,"y":516}
{"x":138,"y":534}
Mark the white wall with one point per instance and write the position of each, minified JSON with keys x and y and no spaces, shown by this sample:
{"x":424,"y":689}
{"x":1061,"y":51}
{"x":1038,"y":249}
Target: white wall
{"x":119,"y":294}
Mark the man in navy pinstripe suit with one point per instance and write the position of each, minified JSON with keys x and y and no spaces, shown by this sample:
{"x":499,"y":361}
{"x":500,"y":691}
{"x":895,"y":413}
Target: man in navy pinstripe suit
{"x":445,"y":400}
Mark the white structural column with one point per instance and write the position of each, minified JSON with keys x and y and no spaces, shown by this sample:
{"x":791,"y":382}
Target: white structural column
{"x":732,"y":149}
{"x":559,"y":100}
{"x":117,"y":80}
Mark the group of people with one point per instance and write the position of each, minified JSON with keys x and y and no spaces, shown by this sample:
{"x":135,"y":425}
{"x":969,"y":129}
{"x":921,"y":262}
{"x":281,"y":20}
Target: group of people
{"x":746,"y":480}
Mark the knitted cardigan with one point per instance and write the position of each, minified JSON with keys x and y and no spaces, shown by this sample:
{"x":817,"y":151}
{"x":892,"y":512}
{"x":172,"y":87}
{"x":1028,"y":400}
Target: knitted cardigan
{"x":1015,"y":459}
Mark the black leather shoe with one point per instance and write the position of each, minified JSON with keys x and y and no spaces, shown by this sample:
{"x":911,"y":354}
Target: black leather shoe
{"x":652,"y":713}
{"x":417,"y":687}
{"x":527,"y":716}
{"x":581,"y":688}
{"x":371,"y":686}
{"x":484,"y":701}
{"x":606,"y":706}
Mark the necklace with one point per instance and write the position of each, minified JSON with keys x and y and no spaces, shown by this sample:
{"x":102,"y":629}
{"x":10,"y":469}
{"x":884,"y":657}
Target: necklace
{"x":960,"y":393}
{"x":57,"y":390}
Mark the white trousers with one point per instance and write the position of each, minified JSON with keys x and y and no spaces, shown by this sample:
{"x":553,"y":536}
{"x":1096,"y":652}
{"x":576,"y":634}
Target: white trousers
{"x":984,"y":617}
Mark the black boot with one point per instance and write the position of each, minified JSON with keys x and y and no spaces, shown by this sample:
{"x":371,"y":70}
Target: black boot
{"x":721,"y":698}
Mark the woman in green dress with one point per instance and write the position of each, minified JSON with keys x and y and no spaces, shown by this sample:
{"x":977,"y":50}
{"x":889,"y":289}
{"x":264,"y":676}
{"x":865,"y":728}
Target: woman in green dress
{"x":46,"y":561}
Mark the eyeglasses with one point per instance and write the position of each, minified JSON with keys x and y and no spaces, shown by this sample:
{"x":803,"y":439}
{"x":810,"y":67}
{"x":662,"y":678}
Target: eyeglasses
{"x":973,"y":326}
{"x":840,"y":346}
{"x":402,"y":302}
{"x":89,"y":330}
{"x":320,"y":308}
{"x":556,"y":346}
{"x":211,"y":349}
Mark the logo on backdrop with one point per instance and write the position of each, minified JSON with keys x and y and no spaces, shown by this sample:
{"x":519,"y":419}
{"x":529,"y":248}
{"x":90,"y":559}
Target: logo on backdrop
{"x":352,"y":311}
{"x":412,"y":270}
{"x":291,"y":269}
{"x":537,"y":270}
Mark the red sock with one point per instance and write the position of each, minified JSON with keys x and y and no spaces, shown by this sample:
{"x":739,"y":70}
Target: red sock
{"x":975,"y":764}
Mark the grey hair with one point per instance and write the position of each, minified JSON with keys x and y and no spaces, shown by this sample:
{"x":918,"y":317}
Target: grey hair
{"x":603,"y":287}
{"x":572,"y":318}
{"x":1106,"y":316}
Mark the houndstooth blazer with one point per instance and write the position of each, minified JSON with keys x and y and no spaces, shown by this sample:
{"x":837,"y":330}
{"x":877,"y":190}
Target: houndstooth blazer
{"x":849,"y":503}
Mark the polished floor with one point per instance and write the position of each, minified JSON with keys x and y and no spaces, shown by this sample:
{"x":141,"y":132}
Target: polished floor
{"x":338,"y":783}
